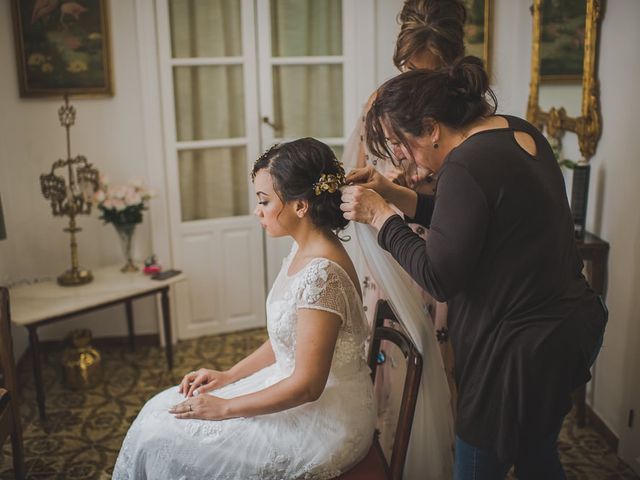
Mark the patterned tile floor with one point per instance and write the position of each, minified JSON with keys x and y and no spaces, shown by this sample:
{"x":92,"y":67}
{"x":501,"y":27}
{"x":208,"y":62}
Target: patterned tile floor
{"x":82,"y":434}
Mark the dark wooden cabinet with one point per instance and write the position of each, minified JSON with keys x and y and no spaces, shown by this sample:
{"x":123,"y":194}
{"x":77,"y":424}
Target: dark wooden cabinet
{"x":595,"y":253}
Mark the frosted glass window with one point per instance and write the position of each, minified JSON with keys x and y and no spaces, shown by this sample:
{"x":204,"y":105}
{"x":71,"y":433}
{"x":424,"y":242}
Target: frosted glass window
{"x":308,"y":100}
{"x":214,"y":183}
{"x":306,"y":28}
{"x":205,"y":28}
{"x":209,"y":102}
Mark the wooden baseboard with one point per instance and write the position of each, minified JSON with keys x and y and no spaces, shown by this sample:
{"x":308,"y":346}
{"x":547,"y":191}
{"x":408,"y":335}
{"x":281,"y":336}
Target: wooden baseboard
{"x":599,"y":426}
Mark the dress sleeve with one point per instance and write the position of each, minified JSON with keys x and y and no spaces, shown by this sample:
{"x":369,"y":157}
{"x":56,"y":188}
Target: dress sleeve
{"x":446,"y":261}
{"x":321,"y":288}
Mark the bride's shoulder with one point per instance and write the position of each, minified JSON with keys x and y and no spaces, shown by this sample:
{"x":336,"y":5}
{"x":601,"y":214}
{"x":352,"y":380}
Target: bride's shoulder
{"x":338,"y":268}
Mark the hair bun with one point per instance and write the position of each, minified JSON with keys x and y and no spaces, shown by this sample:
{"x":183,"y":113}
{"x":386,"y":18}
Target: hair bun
{"x":468,"y":78}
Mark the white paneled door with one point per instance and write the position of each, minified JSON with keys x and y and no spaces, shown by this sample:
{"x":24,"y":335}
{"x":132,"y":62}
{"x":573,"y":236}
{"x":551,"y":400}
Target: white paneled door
{"x":208,"y":61}
{"x":237,"y":76}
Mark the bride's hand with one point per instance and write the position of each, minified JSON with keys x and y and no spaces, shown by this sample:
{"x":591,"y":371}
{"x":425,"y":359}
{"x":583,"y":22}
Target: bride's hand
{"x":201,"y":381}
{"x":369,"y":177}
{"x":204,"y":407}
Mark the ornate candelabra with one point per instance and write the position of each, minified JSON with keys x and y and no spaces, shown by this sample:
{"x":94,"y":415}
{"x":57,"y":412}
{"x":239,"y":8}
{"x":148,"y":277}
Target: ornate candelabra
{"x":72,"y":199}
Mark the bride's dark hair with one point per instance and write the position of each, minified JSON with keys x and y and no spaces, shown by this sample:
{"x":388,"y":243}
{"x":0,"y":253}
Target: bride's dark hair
{"x":295,"y":168}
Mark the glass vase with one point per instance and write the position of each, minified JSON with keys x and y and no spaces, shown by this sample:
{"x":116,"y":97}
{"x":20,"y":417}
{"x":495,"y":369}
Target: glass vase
{"x":125,"y":234}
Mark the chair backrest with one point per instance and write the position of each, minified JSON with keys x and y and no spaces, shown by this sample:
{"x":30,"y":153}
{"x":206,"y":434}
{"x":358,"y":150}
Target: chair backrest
{"x":9,"y":411}
{"x":411,"y":382}
{"x":7,"y":363}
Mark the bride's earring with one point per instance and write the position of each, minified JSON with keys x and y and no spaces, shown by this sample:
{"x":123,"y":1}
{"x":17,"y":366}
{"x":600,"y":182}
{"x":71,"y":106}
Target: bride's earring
{"x":435,"y":145}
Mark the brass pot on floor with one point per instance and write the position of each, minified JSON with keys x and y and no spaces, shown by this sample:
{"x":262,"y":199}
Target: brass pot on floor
{"x":81,"y":362}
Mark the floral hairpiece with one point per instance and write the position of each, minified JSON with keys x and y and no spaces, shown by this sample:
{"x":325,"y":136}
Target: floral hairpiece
{"x":330,"y":182}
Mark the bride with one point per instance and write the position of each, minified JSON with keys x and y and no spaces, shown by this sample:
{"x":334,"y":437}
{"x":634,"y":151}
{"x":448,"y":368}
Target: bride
{"x":301,"y":405}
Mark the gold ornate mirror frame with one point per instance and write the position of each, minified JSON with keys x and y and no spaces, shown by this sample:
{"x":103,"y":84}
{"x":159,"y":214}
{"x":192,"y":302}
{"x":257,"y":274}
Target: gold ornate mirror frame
{"x":588,"y":126}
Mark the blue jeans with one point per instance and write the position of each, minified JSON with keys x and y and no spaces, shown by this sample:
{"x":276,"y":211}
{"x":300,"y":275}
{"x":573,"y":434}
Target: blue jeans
{"x":540,"y":462}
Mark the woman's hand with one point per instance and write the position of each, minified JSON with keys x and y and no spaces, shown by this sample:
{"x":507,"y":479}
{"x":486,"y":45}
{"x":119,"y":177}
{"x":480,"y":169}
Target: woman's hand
{"x":204,"y":407}
{"x":397,"y":176}
{"x":365,"y":206}
{"x":201,"y":381}
{"x":369,"y":177}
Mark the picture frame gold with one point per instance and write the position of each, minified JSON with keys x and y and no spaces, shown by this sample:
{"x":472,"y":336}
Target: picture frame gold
{"x":478,"y":30}
{"x":62,"y":48}
{"x":587,"y":126}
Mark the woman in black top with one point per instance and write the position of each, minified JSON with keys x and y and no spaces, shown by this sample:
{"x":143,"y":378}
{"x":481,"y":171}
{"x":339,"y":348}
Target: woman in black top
{"x":524,"y":323}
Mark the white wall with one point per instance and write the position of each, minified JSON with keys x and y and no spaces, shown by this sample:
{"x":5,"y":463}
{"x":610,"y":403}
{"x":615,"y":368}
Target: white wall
{"x":614,"y":214}
{"x":109,"y":132}
{"x":613,"y":195}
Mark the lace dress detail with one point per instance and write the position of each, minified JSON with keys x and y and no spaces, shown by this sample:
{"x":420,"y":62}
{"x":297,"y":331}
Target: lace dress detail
{"x":317,"y":440}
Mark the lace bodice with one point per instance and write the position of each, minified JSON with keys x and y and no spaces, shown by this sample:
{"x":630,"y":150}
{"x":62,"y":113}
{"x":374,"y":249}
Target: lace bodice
{"x":322,"y":285}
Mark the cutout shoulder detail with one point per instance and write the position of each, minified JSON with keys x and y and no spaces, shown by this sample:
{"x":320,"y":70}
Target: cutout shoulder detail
{"x":526,"y":142}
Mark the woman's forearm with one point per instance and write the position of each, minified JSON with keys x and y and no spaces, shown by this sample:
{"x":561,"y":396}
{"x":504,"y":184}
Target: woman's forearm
{"x":403,"y":198}
{"x":259,"y":359}
{"x":286,"y":394}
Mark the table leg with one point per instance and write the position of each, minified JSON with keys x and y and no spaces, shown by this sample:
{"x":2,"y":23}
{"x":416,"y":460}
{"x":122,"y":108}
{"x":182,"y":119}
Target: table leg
{"x":34,"y":345}
{"x":128,"y":305}
{"x":166,"y":320}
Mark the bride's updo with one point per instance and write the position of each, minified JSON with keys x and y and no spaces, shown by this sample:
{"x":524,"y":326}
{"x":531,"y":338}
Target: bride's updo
{"x":307,"y":169}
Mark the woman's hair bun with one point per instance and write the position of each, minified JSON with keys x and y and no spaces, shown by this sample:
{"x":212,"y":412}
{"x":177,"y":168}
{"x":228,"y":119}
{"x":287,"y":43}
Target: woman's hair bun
{"x":468,"y":78}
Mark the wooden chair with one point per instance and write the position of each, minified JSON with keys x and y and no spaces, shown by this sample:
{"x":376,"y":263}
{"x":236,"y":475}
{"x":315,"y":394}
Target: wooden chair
{"x":374,"y":466}
{"x":9,"y":409}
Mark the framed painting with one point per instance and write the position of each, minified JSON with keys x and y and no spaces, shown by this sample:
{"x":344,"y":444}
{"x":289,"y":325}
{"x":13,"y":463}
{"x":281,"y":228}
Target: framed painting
{"x":477,"y":30}
{"x":62,"y":47}
{"x":562,"y":35}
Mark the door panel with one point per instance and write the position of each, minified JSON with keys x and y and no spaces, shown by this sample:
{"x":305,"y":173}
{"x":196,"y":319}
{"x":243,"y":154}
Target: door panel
{"x":197,"y":254}
{"x":240,"y":254}
{"x":207,"y":62}
{"x":237,"y":259}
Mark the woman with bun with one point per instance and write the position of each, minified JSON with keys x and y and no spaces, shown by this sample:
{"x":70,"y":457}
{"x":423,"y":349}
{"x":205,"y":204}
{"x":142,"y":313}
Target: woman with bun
{"x":301,"y":405}
{"x":431,"y":35}
{"x":524,"y":323}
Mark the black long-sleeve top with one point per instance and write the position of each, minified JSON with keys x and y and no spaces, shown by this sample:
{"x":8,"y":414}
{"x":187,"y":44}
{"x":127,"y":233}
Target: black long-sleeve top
{"x":501,"y":252}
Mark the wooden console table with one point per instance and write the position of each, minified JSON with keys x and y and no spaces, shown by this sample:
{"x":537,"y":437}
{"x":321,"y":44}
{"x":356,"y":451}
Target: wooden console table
{"x":38,"y":304}
{"x":595,"y":253}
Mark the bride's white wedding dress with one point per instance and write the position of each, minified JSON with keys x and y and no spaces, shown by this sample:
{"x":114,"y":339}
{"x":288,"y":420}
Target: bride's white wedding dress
{"x":317,"y":440}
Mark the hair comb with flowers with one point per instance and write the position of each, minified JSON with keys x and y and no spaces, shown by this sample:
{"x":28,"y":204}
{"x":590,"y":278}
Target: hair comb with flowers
{"x":330,"y":182}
